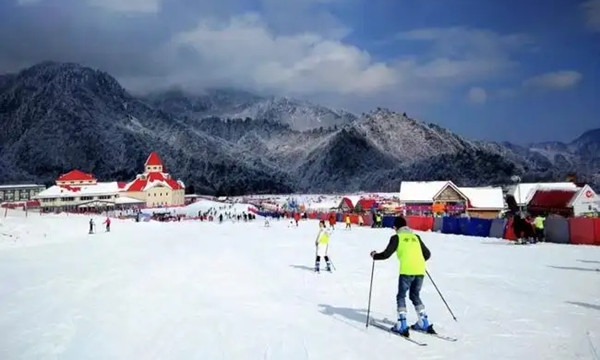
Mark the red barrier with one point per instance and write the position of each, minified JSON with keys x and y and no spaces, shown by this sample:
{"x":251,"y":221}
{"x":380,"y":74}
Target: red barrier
{"x":581,"y":231}
{"x":509,"y":233}
{"x":597,"y":231}
{"x":312,"y":215}
{"x":422,"y":223}
{"x":368,"y":219}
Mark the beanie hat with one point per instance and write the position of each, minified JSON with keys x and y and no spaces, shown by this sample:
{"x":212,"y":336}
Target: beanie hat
{"x":399,"y":222}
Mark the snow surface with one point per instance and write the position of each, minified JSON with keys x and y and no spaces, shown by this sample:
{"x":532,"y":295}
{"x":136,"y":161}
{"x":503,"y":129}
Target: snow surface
{"x":198,"y":290}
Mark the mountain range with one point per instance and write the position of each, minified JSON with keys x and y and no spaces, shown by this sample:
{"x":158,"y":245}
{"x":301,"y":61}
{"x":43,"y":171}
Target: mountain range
{"x":60,"y":116}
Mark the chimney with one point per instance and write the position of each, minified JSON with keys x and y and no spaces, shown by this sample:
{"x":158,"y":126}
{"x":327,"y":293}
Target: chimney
{"x":572,"y":178}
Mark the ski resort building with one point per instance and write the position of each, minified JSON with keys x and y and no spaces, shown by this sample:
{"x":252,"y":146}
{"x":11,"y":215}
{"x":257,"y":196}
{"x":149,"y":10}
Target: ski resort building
{"x":10,"y":193}
{"x":80,"y":191}
{"x":523,"y":193}
{"x":422,"y":197}
{"x":419,"y":197}
{"x":484,"y":202}
{"x":155,"y":187}
{"x":566,"y":202}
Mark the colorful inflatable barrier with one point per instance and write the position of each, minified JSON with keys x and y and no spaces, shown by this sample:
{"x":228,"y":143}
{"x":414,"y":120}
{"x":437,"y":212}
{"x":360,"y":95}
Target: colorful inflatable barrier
{"x":450,"y":225}
{"x":509,"y":231}
{"x":556,"y":230}
{"x":438,"y":223}
{"x":497,"y":228}
{"x":582,"y":231}
{"x":479,"y":227}
{"x":421,"y":223}
{"x":388,"y":221}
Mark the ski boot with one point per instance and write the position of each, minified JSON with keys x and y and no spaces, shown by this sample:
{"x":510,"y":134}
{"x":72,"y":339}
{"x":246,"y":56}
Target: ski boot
{"x":317,"y":267}
{"x":401,"y":328}
{"x":328,"y":266}
{"x":423,"y":323}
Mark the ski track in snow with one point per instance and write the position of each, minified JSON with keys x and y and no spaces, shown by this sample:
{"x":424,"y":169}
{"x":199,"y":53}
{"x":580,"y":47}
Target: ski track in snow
{"x":197,"y":290}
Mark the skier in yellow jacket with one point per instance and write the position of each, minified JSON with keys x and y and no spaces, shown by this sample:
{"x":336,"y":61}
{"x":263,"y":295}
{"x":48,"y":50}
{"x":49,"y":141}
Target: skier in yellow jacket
{"x":412,"y":254}
{"x":322,"y":246}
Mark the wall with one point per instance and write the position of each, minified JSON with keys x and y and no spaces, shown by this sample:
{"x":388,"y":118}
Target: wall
{"x":484,"y":214}
{"x":159,"y":196}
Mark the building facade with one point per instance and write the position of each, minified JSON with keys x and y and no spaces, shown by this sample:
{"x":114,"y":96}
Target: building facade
{"x":80,"y":191}
{"x":155,"y":187}
{"x":11,"y":193}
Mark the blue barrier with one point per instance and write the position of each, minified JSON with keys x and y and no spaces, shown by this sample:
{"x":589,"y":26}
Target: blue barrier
{"x":463,"y":225}
{"x":438,"y":222}
{"x":479,"y":227}
{"x":450,"y":226}
{"x":498,"y":227}
{"x":388,"y":221}
{"x":338,"y":217}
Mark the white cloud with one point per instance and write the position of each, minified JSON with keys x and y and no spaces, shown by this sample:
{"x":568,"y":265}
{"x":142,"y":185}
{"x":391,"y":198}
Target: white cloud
{"x":592,"y":14}
{"x":128,"y":6}
{"x":558,"y":80}
{"x":477,"y":95}
{"x":244,"y":51}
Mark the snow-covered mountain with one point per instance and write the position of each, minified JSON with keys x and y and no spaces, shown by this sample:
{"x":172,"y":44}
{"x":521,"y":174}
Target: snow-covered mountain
{"x":56,"y":117}
{"x":235,"y":104}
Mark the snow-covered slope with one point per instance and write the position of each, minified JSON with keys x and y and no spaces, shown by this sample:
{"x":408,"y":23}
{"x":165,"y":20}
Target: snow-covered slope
{"x":197,"y":290}
{"x":234,"y":104}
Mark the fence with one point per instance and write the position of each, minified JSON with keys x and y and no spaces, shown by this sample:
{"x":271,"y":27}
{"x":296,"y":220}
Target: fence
{"x":581,"y":231}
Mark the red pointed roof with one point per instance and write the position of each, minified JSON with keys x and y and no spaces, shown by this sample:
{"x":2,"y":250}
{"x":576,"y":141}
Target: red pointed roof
{"x":140,"y":184}
{"x":154,"y":160}
{"x":76,"y":175}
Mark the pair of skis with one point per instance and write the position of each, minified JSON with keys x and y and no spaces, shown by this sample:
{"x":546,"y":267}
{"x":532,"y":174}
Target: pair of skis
{"x":385,"y":325}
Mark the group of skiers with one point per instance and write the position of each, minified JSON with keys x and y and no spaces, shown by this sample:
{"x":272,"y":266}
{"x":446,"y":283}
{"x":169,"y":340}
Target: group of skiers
{"x":527,"y":229}
{"x":93,"y":225}
{"x":412,"y":255}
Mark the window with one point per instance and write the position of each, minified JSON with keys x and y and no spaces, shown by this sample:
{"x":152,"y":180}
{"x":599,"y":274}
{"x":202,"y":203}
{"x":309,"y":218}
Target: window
{"x":86,"y":198}
{"x":69,"y":199}
{"x":104,"y":197}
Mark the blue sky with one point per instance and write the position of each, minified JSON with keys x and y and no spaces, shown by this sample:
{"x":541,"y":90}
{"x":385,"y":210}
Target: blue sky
{"x":522,"y":71}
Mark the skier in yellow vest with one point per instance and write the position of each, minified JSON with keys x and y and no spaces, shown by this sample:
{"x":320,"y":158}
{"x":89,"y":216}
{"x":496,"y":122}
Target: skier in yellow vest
{"x":348,"y":226}
{"x":539,"y":227}
{"x":322,"y":246}
{"x":412,"y":254}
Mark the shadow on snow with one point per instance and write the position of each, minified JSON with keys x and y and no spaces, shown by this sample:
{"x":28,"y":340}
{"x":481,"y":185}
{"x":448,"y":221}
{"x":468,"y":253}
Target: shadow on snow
{"x":572,"y":268}
{"x":586,"y":305}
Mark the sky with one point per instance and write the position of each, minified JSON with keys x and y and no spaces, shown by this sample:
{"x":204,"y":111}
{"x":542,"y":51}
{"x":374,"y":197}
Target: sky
{"x":515,"y":70}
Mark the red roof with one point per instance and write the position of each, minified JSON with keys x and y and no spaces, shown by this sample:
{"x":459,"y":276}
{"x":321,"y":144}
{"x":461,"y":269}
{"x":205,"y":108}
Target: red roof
{"x":71,"y":188}
{"x":552,"y":199}
{"x":366,"y":204}
{"x":76,"y":175}
{"x":154,"y":160}
{"x":348,"y":203}
{"x":139,"y":184}
{"x":121,"y":184}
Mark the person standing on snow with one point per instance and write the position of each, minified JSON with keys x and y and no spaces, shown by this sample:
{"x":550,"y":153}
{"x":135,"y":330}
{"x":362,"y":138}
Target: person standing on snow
{"x":412,"y":254}
{"x":107,"y":222}
{"x":322,"y":246}
{"x":348,"y":226}
{"x":91,"y":226}
{"x":539,"y":227}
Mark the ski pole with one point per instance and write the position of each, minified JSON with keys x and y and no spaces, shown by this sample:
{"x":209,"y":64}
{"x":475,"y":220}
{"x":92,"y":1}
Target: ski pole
{"x":370,"y":289}
{"x":444,"y":300}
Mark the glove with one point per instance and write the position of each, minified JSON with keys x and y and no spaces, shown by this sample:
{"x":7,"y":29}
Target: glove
{"x":373,"y":253}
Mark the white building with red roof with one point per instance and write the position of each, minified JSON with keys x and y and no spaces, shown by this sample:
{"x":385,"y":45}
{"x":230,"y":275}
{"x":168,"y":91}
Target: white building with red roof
{"x":155,"y":186}
{"x":77,"y":190}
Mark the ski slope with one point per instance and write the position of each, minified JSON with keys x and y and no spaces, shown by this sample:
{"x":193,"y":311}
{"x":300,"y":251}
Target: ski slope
{"x":198,"y":290}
